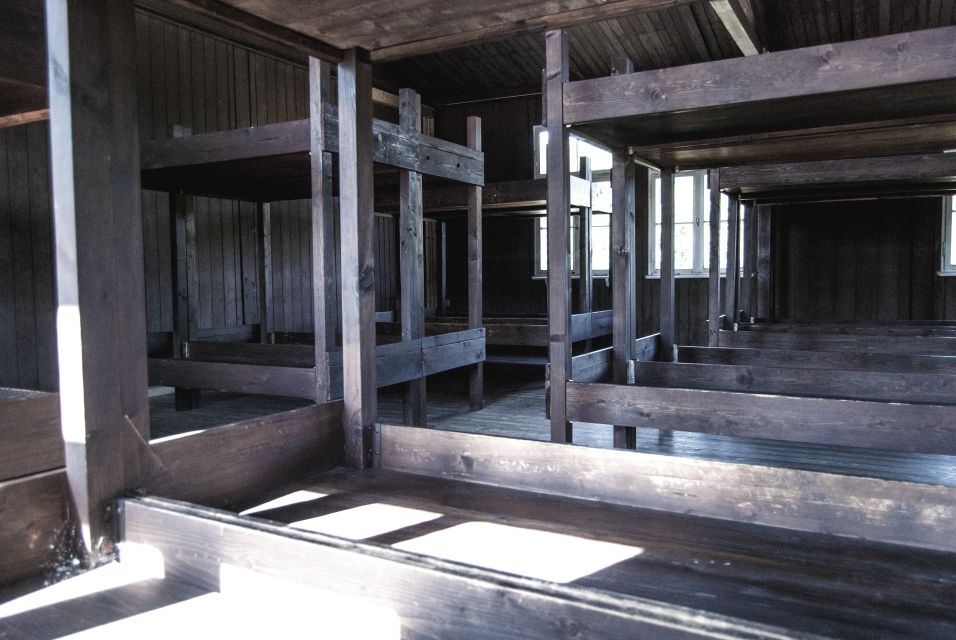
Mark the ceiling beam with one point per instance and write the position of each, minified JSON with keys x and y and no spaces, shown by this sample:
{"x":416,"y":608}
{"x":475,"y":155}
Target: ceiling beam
{"x":738,"y":19}
{"x":531,"y":24}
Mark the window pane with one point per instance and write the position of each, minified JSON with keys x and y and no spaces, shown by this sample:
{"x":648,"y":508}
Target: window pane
{"x":543,"y":152}
{"x":600,"y":159}
{"x":724,"y":205}
{"x":657,"y":243}
{"x":684,"y":199}
{"x":952,"y":233}
{"x":706,"y":248}
{"x":684,"y":246}
{"x":600,"y":242}
{"x":657,"y":200}
{"x":542,"y":244}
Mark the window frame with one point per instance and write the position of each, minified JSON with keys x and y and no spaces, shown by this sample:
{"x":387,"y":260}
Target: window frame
{"x":947,"y":267}
{"x":701,"y":206}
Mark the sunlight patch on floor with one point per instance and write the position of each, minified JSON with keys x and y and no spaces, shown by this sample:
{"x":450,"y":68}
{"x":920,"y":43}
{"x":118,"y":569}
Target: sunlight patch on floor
{"x":367,"y":521}
{"x":555,"y":557}
{"x":295,"y":497}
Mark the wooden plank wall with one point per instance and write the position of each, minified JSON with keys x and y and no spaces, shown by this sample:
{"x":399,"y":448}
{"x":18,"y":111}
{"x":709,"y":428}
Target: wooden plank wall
{"x":869,"y":261}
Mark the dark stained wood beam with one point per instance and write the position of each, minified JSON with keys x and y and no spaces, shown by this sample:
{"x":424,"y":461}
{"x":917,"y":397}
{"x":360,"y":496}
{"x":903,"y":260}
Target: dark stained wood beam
{"x":713,"y":289}
{"x":101,"y":304}
{"x":918,"y":428}
{"x":264,"y":269}
{"x":907,"y":345}
{"x":559,"y":218}
{"x":508,"y":194}
{"x":34,"y":529}
{"x":325,"y":312}
{"x":32,"y":440}
{"x":623,"y":275}
{"x":411,"y":258}
{"x":668,"y":308}
{"x":357,"y":243}
{"x":763,"y":301}
{"x":476,"y":375}
{"x":26,"y":117}
{"x":922,"y":169}
{"x":737,"y":16}
{"x":732,"y":271}
{"x":585,"y":269}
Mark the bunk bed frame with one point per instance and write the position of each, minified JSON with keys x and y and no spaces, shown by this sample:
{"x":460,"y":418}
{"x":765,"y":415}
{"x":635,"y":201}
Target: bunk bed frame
{"x":899,"y":533}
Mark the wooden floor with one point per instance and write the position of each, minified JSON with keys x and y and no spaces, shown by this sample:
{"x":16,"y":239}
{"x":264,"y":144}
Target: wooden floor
{"x":515,"y":408}
{"x":805,"y":582}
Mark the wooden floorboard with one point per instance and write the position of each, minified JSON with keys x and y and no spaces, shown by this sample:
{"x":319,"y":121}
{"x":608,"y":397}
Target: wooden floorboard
{"x":514,"y":407}
{"x":805,"y":582}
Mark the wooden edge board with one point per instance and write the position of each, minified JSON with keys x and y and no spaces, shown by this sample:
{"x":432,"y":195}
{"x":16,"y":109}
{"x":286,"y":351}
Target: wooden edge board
{"x":645,"y":349}
{"x":33,"y":525}
{"x":30,"y":436}
{"x":896,"y":512}
{"x":905,"y":345}
{"x":393,"y":146}
{"x":847,"y":361}
{"x":885,"y":330}
{"x":432,"y":597}
{"x":914,"y":428}
{"x":295,"y":382}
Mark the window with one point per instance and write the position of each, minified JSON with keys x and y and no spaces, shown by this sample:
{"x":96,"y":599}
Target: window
{"x":578,"y":148}
{"x":948,"y":257}
{"x":691,"y":226}
{"x":600,"y":246}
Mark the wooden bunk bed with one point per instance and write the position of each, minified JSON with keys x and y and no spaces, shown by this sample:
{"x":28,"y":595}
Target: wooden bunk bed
{"x":717,"y":549}
{"x":284,"y":161}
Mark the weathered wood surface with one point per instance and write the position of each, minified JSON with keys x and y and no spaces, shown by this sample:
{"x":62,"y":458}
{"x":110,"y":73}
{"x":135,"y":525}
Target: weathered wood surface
{"x":236,"y":465}
{"x":904,"y":345}
{"x":713,"y":284}
{"x":820,"y":360}
{"x":473,"y":232}
{"x":295,"y":382}
{"x":732,"y":272}
{"x":763,"y":299}
{"x":101,"y":303}
{"x":918,"y":428}
{"x":646,"y":349}
{"x":886,"y":330}
{"x":30,"y":436}
{"x":392,"y":146}
{"x":596,"y":366}
{"x":918,"y":388}
{"x":33,"y":525}
{"x":917,"y":168}
{"x":798,"y":77}
{"x":432,"y":597}
{"x":559,"y":217}
{"x":668,"y":307}
{"x":873,"y":509}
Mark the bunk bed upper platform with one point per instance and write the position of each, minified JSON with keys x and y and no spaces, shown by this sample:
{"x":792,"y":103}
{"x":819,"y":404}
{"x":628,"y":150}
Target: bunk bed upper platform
{"x":819,"y":102}
{"x":271,"y":162}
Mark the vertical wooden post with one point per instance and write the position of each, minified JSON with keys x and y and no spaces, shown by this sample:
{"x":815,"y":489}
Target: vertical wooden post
{"x":476,"y":374}
{"x":764,"y":264}
{"x":713,"y":298}
{"x":101,"y":303}
{"x":749,"y":260}
{"x":668,"y":310}
{"x":324,"y":298}
{"x":585,"y":269}
{"x":356,"y":191}
{"x":181,"y":218}
{"x":559,"y":275}
{"x":264,"y":268}
{"x":623,"y":273}
{"x":443,"y":269}
{"x":411,"y":243}
{"x":733,"y":261}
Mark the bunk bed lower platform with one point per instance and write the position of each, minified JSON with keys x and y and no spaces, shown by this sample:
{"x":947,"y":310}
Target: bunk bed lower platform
{"x":473,"y":536}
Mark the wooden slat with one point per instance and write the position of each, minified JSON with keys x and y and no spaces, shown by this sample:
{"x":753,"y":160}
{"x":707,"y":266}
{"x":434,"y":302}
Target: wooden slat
{"x":559,"y":274}
{"x":235,"y":465}
{"x":99,"y":270}
{"x":30,"y":436}
{"x":886,"y":330}
{"x":904,"y":345}
{"x":668,"y":307}
{"x":391,"y":146}
{"x":33,"y":525}
{"x":358,"y":256}
{"x":738,"y":19}
{"x":295,"y":382}
{"x":426,"y":594}
{"x":762,"y":296}
{"x":646,"y":349}
{"x":748,"y":261}
{"x":888,"y":511}
{"x":732,"y":274}
{"x":595,"y":366}
{"x":412,"y":255}
{"x":851,"y":423}
{"x":623,"y":275}
{"x":881,"y":63}
{"x":790,"y":381}
{"x":713,"y":289}
{"x":848,"y":361}
{"x":264,"y":270}
{"x":476,"y":376}
{"x":325,"y":311}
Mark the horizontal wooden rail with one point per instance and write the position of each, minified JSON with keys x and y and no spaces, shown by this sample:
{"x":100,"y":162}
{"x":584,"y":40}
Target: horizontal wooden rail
{"x":870,"y":508}
{"x":917,"y":428}
{"x":494,"y":195}
{"x":854,"y":385}
{"x":595,"y":366}
{"x":821,"y":360}
{"x":393,"y":146}
{"x":293,"y":382}
{"x":645,"y":349}
{"x":896,"y":329}
{"x":432,"y":598}
{"x":30,"y":437}
{"x":907,"y":345}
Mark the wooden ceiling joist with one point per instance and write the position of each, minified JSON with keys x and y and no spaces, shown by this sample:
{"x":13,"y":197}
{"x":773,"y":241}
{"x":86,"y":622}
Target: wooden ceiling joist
{"x":737,"y":17}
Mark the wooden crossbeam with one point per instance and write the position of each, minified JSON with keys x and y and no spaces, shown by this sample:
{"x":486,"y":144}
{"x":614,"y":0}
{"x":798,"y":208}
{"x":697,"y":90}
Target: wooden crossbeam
{"x":737,"y":16}
{"x":907,"y":345}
